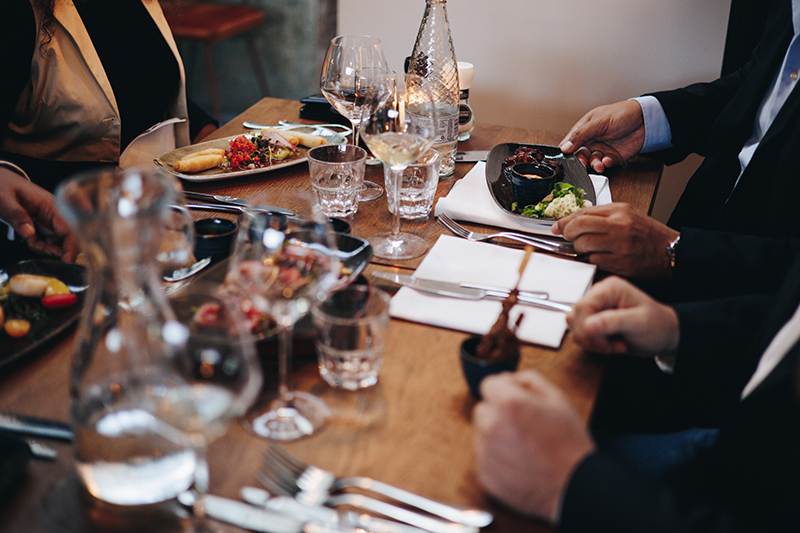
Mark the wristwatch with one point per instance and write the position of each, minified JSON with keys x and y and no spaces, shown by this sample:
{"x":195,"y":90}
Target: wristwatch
{"x":671,"y":248}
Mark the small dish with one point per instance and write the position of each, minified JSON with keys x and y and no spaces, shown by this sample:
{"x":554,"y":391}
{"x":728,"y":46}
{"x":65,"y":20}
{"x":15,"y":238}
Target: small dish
{"x":476,"y":369}
{"x":214,"y":238}
{"x":340,"y":225}
{"x":530,"y":182}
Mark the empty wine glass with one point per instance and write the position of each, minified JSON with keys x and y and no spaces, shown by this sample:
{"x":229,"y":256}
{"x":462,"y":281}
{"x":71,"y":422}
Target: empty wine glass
{"x":398,"y":131}
{"x":286,"y":264}
{"x":346,"y":54}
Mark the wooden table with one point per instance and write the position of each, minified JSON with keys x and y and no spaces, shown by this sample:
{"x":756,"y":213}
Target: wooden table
{"x":412,"y":430}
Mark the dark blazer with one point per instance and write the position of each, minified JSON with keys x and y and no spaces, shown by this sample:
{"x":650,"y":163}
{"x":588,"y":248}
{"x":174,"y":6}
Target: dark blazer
{"x":715,"y":120}
{"x":749,"y":480}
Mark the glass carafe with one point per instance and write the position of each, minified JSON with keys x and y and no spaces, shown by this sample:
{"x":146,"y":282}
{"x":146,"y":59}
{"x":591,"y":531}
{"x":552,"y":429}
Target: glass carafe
{"x":123,"y":393}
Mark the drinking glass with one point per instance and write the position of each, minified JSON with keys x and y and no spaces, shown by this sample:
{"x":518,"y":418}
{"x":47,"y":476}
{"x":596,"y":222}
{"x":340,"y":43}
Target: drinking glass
{"x":398,"y":132}
{"x":286,"y":264}
{"x":346,"y":54}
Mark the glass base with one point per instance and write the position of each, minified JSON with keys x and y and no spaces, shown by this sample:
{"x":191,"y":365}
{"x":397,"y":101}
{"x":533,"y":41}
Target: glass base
{"x":401,"y":246}
{"x":300,"y":416}
{"x":371,"y":191}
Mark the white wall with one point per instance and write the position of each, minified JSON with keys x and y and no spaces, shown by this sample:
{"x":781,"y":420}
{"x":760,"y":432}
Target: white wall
{"x":543,"y":63}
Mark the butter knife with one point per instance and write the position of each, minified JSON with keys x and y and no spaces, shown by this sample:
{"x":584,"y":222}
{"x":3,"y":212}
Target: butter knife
{"x":234,"y":202}
{"x":473,"y":156}
{"x":38,"y":427}
{"x":320,"y":514}
{"x":456,"y":290}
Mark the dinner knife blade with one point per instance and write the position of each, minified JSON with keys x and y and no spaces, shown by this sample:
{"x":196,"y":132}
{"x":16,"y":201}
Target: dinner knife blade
{"x":472,"y":156}
{"x":34,"y":426}
{"x":241,"y":514}
{"x":455,"y":290}
{"x":236,"y":203}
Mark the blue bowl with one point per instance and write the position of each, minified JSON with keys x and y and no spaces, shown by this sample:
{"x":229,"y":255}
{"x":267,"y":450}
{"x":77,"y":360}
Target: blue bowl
{"x":476,"y":369}
{"x":530,"y":182}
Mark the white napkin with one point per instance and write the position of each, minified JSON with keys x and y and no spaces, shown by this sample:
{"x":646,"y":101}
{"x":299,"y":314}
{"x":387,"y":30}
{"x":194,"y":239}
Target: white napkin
{"x":471,"y":200}
{"x":459,"y":260}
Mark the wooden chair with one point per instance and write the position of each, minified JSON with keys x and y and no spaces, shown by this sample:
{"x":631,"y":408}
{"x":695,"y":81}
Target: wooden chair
{"x":209,"y":23}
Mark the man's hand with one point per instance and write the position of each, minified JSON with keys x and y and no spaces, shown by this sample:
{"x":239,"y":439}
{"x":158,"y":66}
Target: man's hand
{"x":615,"y":317}
{"x":32,"y":213}
{"x":528,"y":441}
{"x":607,"y":135}
{"x":620,"y":240}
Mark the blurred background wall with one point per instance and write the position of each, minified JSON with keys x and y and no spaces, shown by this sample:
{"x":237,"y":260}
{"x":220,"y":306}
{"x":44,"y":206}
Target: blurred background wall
{"x":538,"y":64}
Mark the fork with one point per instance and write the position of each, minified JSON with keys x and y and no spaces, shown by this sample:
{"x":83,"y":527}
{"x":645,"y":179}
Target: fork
{"x":313,"y":485}
{"x":565,"y":249}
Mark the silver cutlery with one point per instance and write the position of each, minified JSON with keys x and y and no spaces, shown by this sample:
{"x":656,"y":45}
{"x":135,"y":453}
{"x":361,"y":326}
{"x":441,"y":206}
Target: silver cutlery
{"x":472,"y":156}
{"x":288,"y":475}
{"x":322,"y":515}
{"x":240,"y":514}
{"x":282,"y":124}
{"x":457,"y":290}
{"x":216,"y":197}
{"x":41,"y":451}
{"x":34,"y":426}
{"x":236,"y":203}
{"x":191,"y":270}
{"x":565,"y":248}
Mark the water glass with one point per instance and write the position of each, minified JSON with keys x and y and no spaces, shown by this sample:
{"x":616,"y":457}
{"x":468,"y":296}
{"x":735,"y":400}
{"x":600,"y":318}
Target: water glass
{"x":417,"y":188}
{"x":351,"y":336}
{"x":337,"y":176}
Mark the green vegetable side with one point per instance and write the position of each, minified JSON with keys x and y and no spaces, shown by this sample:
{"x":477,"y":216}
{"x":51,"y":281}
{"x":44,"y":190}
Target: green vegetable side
{"x":560,"y":194}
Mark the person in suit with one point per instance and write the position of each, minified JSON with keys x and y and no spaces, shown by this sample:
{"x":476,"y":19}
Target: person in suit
{"x":741,"y":371}
{"x":746,"y":124}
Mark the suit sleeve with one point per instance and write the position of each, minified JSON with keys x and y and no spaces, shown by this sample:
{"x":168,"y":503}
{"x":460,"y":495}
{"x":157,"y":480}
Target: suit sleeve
{"x":715,"y":264}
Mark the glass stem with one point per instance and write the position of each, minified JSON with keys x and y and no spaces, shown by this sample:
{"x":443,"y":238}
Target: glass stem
{"x":354,"y":125}
{"x":284,"y":361}
{"x":397,"y":176}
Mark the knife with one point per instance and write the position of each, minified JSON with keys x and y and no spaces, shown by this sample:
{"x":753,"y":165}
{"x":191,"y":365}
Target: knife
{"x":472,"y":156}
{"x":319,"y":514}
{"x":254,"y":518}
{"x":455,"y":290}
{"x":235,"y":202}
{"x":39,"y":427}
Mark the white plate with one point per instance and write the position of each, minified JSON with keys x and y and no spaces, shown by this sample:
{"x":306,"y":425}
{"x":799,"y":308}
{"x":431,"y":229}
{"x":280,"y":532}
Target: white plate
{"x":166,"y":160}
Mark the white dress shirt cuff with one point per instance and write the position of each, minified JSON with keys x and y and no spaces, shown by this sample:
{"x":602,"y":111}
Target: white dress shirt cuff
{"x":657,"y":135}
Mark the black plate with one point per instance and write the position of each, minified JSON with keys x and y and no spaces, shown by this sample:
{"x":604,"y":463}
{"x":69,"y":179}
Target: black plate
{"x":500,"y":186}
{"x":73,"y":275}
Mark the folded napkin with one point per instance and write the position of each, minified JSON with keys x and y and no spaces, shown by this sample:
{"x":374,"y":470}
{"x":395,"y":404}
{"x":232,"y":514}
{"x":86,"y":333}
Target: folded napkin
{"x":459,"y":260}
{"x":471,"y":200}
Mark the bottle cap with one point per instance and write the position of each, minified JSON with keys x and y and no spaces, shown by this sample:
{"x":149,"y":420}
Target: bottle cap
{"x":464,"y":75}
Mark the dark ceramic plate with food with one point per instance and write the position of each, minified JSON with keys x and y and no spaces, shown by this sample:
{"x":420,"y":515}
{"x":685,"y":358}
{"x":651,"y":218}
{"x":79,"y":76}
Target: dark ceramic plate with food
{"x":501,"y":188}
{"x":45,"y":324}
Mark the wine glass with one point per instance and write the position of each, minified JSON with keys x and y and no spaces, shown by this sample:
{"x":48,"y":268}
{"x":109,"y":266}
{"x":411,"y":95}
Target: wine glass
{"x":286,"y":264}
{"x":346,"y":54}
{"x":398,"y":131}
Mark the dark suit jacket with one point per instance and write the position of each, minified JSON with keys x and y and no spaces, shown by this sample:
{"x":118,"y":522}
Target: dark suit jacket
{"x":715,"y":120}
{"x":749,"y":480}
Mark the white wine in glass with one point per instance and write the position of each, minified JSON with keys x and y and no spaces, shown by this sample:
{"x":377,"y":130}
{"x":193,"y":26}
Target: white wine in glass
{"x":346,"y":55}
{"x":398,"y":131}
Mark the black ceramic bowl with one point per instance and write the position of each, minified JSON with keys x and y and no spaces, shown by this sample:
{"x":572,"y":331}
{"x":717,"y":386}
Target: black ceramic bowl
{"x":213,"y":238}
{"x":530,"y":182}
{"x":476,"y":369}
{"x":340,"y":225}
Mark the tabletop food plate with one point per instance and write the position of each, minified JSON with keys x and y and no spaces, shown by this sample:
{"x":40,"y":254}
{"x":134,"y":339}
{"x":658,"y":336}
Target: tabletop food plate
{"x":500,"y":187}
{"x":166,"y":160}
{"x":55,"y":321}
